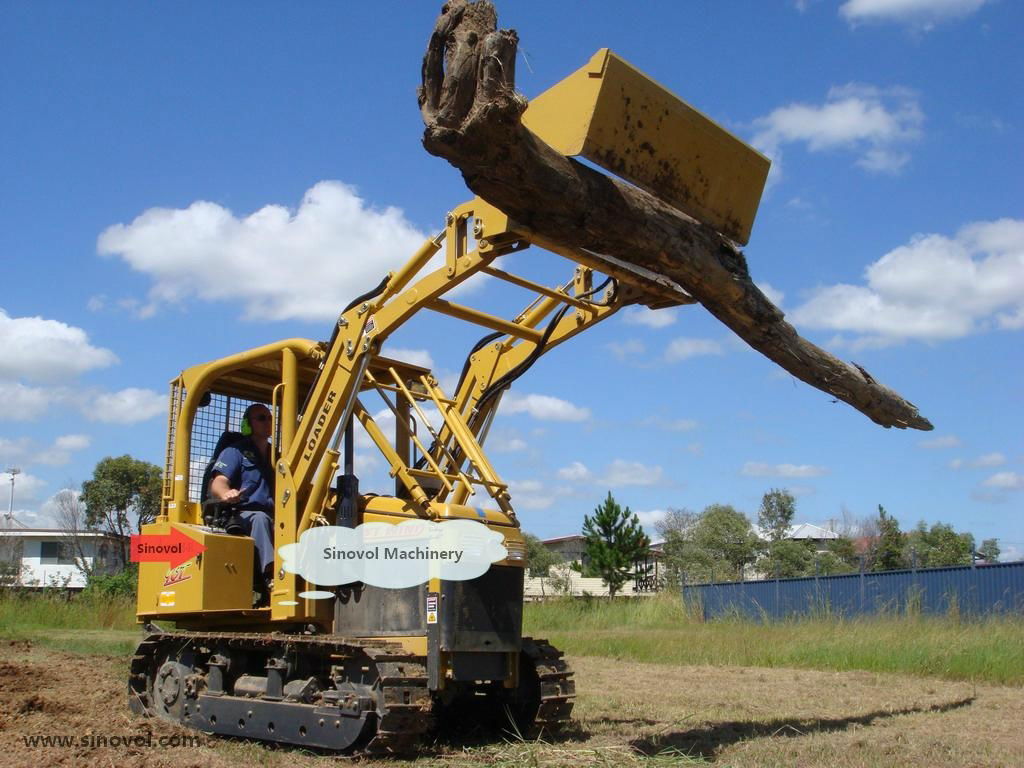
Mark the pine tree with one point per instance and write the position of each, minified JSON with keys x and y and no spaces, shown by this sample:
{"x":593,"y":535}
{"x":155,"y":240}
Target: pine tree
{"x":890,"y":553}
{"x":615,"y":541}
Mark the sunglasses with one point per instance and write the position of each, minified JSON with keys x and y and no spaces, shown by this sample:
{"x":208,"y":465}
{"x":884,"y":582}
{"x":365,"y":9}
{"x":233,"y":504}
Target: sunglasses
{"x":260,"y":417}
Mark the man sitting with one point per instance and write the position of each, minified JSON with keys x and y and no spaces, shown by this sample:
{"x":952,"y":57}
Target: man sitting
{"x":242,"y":476}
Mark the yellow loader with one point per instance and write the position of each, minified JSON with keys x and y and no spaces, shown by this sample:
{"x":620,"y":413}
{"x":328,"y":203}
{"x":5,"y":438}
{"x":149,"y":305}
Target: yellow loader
{"x":363,"y":668}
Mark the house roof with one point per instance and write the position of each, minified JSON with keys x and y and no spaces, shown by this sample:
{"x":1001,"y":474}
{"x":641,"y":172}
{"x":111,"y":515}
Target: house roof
{"x":557,"y":539}
{"x":801,"y":531}
{"x":35,"y":533}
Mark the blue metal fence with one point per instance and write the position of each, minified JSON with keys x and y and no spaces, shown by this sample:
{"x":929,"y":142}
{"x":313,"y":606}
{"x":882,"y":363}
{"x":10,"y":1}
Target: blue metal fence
{"x":966,"y":590}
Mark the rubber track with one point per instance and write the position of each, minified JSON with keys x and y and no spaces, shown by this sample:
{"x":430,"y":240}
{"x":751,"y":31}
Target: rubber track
{"x":403,"y":677}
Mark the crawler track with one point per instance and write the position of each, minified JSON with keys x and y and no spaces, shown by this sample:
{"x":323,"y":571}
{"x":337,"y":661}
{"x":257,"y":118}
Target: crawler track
{"x":333,"y":693}
{"x":373,"y":696}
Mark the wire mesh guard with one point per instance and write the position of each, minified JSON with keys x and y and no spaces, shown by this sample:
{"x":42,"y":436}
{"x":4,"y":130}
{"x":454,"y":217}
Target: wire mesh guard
{"x":222,"y":414}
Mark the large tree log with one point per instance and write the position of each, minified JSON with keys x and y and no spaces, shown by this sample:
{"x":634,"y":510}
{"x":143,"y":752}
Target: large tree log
{"x":472,"y":116}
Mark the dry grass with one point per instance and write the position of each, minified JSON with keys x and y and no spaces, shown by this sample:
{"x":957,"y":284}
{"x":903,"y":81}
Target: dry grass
{"x":628,"y":714}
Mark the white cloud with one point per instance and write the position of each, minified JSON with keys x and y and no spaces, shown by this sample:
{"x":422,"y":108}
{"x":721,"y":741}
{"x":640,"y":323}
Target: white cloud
{"x":530,"y":494}
{"x":629,"y":348}
{"x":869,"y":121}
{"x":60,"y":452}
{"x":994,"y":459}
{"x":19,"y":402}
{"x":649,"y":518}
{"x":671,"y":425}
{"x":506,"y":442}
{"x":25,"y":451}
{"x":775,"y":296}
{"x":683,"y":349}
{"x":37,"y":349}
{"x":1007,"y":480}
{"x":931,"y":289}
{"x":621,"y":472}
{"x":761,"y":469}
{"x":575,"y":472}
{"x":544,"y":407}
{"x":940,"y":441}
{"x":420,"y":357}
{"x":679,"y":425}
{"x":278,"y":263}
{"x":26,"y":488}
{"x":126,"y":406}
{"x":652,"y":318}
{"x":920,"y":13}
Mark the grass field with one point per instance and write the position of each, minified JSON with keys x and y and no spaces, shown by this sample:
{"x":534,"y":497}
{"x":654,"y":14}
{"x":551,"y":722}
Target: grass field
{"x":655,"y":630}
{"x":655,"y":688}
{"x":659,"y":630}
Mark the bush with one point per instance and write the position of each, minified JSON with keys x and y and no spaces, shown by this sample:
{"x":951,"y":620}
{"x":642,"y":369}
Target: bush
{"x":120,"y":584}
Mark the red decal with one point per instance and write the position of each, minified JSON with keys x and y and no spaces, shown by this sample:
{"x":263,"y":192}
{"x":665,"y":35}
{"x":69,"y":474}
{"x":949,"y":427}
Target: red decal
{"x":177,"y":575}
{"x":173,"y":549}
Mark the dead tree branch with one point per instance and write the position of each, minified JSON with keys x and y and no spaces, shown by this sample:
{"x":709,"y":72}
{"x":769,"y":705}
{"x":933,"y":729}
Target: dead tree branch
{"x":472,"y":116}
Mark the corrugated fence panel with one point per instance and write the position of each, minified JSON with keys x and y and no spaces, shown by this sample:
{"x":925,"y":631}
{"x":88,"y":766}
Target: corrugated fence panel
{"x":966,"y":590}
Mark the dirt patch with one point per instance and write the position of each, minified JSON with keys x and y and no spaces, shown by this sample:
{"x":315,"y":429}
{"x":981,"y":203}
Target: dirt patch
{"x":627,"y":714}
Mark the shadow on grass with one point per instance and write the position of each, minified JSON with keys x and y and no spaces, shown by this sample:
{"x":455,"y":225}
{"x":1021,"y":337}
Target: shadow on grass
{"x":708,"y":741}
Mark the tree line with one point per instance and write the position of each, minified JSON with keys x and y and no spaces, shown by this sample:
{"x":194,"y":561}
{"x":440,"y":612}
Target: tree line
{"x":721,"y":544}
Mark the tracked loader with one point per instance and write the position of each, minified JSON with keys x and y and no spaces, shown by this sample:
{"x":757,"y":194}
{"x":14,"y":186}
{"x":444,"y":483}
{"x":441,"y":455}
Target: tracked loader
{"x":363,"y":668}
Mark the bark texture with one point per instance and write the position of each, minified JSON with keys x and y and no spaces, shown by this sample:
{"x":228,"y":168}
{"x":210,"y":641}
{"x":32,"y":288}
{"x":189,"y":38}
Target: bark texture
{"x":472,"y":116}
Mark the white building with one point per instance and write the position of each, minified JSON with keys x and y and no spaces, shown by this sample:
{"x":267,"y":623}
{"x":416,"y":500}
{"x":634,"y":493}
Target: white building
{"x":44,"y":557}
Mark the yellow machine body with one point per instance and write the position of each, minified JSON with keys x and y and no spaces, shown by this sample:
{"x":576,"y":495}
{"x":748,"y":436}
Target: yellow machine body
{"x":217,"y":580}
{"x":617,"y":117}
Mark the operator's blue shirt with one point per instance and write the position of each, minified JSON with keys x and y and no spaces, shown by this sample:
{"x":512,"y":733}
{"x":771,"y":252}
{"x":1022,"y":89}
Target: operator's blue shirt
{"x":245,"y":471}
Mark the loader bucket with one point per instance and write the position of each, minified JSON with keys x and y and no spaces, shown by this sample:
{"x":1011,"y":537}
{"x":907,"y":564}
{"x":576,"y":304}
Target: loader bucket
{"x":618,"y":118}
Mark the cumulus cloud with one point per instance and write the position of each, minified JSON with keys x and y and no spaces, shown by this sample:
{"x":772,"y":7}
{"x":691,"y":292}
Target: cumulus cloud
{"x":672,"y":425}
{"x":38,"y":349}
{"x":919,"y":13}
{"x":26,"y":488}
{"x":873,"y":123}
{"x":651,"y":517}
{"x":276,"y":263}
{"x":630,"y":348}
{"x":621,"y":472}
{"x":652,"y":318}
{"x":775,"y":296}
{"x":994,"y":459}
{"x":940,"y":441}
{"x":683,"y":349}
{"x":502,"y":441}
{"x":544,"y":407}
{"x":762,"y":469}
{"x":26,"y":451}
{"x":420,"y":357}
{"x":931,"y":289}
{"x":530,"y":494}
{"x":19,"y":402}
{"x":575,"y":472}
{"x":126,"y":406}
{"x":1010,"y":481}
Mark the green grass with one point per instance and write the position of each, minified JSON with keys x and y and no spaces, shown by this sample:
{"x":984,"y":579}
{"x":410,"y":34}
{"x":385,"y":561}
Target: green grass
{"x":80,"y":623}
{"x":658,"y":630}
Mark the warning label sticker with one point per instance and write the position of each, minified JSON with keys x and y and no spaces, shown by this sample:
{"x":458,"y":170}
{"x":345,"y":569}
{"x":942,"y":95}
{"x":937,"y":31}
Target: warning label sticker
{"x":432,"y":608}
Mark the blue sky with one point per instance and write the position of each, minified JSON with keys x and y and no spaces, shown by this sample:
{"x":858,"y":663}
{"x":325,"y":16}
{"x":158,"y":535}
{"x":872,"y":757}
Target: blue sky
{"x":179,"y":182}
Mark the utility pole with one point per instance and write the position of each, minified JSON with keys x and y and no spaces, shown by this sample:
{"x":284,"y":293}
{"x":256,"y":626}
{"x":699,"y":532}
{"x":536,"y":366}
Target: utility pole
{"x":12,"y":471}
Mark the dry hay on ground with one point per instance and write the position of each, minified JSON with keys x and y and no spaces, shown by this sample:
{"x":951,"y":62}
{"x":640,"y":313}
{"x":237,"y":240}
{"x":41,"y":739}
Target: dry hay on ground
{"x":627,"y":713}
